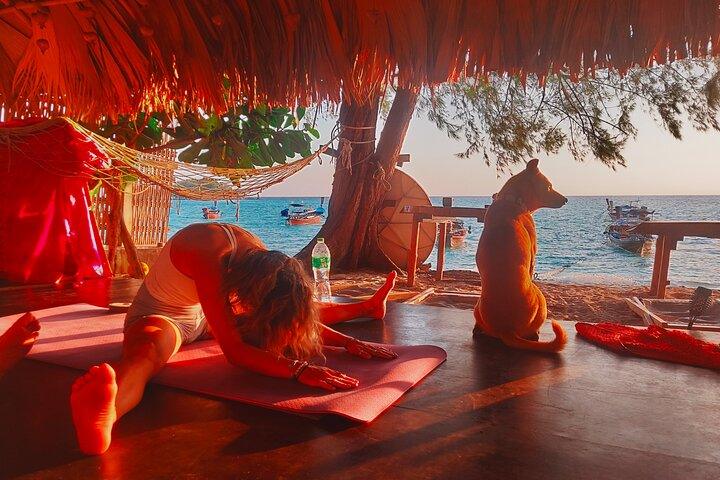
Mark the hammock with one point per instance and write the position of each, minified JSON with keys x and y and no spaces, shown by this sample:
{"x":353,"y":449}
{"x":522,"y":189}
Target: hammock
{"x":192,"y":181}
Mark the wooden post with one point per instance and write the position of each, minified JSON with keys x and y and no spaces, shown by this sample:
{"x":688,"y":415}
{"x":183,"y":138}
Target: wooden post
{"x":114,"y":218}
{"x":668,"y":245}
{"x":659,"y":248}
{"x":135,"y":269}
{"x":441,"y":251}
{"x":413,"y":252}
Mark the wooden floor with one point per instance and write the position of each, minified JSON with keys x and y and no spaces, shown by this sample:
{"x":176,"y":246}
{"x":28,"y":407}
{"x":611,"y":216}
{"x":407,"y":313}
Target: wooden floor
{"x":488,"y":412}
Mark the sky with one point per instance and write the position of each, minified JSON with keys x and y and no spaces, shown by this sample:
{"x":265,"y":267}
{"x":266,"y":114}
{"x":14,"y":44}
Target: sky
{"x":658,"y":164}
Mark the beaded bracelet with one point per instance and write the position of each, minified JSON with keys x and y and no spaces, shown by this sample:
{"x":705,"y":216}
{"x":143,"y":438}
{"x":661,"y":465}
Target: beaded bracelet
{"x":297,"y":367}
{"x":301,"y":370}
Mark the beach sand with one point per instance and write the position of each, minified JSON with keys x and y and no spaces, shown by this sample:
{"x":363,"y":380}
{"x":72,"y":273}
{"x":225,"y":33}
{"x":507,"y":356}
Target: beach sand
{"x":461,"y":289}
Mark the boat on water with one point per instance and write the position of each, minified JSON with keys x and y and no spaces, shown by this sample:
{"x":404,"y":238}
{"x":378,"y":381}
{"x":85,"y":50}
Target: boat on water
{"x":304,"y":219}
{"x":620,"y":234}
{"x":631,"y":210}
{"x":211,"y":213}
{"x":457,"y":233}
{"x":299,"y":214}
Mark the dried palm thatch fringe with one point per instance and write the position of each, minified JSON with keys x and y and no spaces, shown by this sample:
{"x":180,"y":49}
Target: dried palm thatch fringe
{"x":111,"y":57}
{"x":193,"y":181}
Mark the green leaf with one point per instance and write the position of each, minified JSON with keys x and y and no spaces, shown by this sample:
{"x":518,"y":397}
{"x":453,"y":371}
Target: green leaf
{"x":284,"y":143}
{"x":299,"y":141}
{"x":263,"y":157}
{"x":190,"y":154}
{"x":216,"y":155}
{"x":210,"y":125}
{"x":289,"y":120}
{"x":177,"y":132}
{"x":313,"y":132}
{"x":300,"y":112}
{"x":204,"y":158}
{"x":245,"y":161}
{"x":276,"y":120}
{"x":276,"y":152}
{"x":154,"y":126}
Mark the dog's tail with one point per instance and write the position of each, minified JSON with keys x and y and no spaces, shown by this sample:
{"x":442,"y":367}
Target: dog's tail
{"x":555,"y":345}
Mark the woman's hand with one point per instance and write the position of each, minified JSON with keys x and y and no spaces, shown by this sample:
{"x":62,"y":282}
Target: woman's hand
{"x":327,"y":378}
{"x":367,"y":350}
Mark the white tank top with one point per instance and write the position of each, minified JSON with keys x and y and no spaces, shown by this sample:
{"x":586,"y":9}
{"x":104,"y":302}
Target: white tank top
{"x":169,"y":285}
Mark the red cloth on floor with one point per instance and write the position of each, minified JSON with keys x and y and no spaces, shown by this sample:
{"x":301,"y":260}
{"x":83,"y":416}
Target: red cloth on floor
{"x":652,"y":342}
{"x":47,"y":232}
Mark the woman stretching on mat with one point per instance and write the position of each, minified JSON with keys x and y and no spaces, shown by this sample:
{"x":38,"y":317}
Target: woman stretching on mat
{"x":220,"y":280}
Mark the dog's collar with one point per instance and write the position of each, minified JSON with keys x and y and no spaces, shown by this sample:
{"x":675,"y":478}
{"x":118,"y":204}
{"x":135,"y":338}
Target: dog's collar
{"x":512,"y":198}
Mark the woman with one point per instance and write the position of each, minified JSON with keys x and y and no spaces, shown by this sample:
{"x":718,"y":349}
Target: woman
{"x":220,"y":280}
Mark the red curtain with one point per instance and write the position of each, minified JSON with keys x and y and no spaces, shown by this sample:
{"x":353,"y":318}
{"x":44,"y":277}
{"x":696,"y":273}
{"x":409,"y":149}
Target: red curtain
{"x":47,"y":232}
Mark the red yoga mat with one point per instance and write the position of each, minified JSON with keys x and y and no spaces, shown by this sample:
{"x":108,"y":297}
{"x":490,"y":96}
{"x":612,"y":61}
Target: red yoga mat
{"x":652,"y":342}
{"x":79,"y":336}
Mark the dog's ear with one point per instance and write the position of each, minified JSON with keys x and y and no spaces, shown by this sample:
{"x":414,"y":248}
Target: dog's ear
{"x":532,"y":164}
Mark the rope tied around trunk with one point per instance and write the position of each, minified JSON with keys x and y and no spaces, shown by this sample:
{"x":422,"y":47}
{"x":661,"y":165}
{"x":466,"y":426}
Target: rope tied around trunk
{"x":345,"y":145}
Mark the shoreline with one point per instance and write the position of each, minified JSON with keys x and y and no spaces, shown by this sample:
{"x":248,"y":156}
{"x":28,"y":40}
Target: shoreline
{"x":460,"y":289}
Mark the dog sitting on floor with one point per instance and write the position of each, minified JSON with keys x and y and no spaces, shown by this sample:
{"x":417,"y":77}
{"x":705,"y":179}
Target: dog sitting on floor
{"x":511,"y":307}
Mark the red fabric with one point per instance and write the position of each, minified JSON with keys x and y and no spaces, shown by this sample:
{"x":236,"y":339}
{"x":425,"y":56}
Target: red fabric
{"x":652,"y":342}
{"x":79,"y":336}
{"x":47,"y":232}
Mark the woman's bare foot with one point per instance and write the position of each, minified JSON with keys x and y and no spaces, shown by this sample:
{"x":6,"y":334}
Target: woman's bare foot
{"x":378,"y":302}
{"x":93,"y":408}
{"x":17,"y":341}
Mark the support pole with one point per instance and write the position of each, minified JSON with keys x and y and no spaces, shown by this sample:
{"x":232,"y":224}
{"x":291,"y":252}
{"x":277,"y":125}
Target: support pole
{"x":413,"y":252}
{"x":659,"y":247}
{"x":441,"y":251}
{"x":669,"y":245}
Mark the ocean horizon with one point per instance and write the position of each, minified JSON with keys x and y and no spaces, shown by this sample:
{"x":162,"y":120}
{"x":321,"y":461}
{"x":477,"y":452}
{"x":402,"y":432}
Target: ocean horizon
{"x":571,"y":244}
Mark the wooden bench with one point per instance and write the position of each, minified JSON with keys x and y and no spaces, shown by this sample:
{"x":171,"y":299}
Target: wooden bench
{"x":441,"y":216}
{"x":669,"y":233}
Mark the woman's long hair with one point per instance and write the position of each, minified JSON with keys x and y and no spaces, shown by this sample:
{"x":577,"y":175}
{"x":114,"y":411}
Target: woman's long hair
{"x":271,"y":297}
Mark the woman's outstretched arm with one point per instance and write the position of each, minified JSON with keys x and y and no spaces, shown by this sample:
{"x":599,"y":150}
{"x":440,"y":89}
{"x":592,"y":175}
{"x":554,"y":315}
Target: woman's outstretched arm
{"x":219,"y":317}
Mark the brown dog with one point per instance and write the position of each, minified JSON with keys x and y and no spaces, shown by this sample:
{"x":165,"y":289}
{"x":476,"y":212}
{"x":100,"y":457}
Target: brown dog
{"x":511,"y":307}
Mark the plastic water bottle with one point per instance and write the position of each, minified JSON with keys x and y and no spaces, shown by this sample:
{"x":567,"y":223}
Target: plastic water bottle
{"x":321,"y":270}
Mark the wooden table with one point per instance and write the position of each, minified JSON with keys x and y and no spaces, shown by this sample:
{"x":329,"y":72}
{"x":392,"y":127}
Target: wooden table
{"x":669,"y":233}
{"x":489,"y":412}
{"x":443,"y":216}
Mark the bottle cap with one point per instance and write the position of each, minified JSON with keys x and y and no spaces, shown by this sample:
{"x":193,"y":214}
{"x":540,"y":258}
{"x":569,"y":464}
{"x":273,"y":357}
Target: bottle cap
{"x":320,"y":240}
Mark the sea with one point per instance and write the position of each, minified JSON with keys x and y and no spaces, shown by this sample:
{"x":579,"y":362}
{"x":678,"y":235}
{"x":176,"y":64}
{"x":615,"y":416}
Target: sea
{"x":571,"y":244}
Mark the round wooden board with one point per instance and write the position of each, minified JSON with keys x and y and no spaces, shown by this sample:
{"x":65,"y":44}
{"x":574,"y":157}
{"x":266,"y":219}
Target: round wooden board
{"x":395,"y":225}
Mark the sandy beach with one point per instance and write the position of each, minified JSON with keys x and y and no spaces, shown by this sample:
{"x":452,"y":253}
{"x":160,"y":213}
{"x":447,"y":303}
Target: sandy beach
{"x":461,"y":289}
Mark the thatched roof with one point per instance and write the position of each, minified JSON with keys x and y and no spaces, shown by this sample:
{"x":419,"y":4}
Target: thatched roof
{"x":116,"y":56}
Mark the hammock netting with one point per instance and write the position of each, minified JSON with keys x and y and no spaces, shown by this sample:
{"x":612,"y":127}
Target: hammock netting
{"x":193,"y":181}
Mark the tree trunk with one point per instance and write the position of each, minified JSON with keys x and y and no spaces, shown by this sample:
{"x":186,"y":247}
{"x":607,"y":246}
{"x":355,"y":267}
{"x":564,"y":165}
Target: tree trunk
{"x":351,"y":229}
